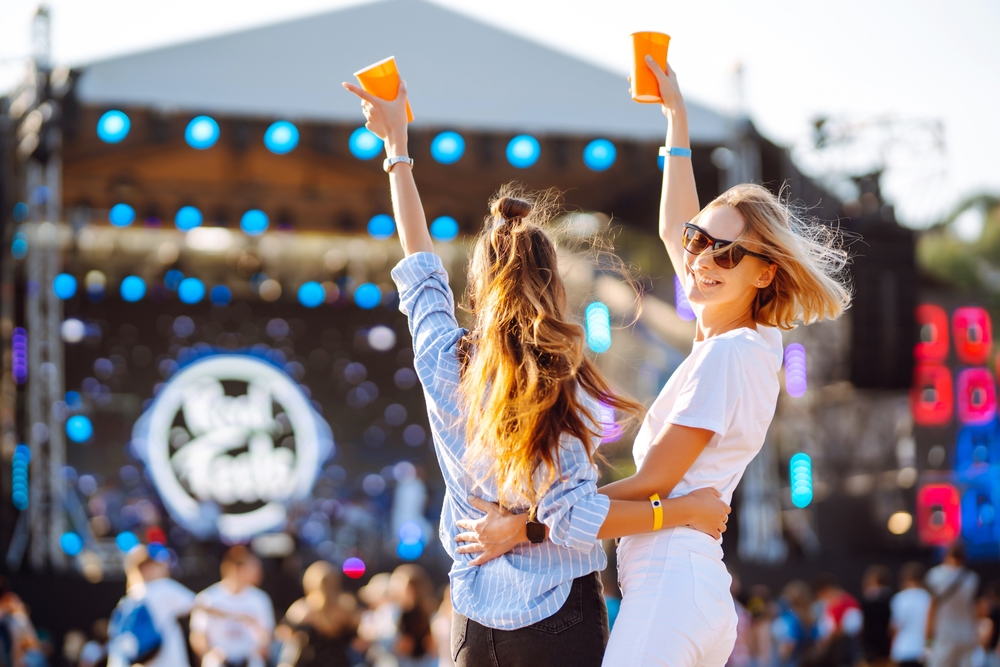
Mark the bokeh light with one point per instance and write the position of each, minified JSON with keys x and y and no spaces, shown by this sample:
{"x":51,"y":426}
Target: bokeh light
{"x":187,"y":218}
{"x":172,"y":279}
{"x":72,"y":330}
{"x":79,"y":428}
{"x":202,"y":132}
{"x":523,"y":151}
{"x":281,"y":137}
{"x":381,"y":338}
{"x":598,"y":319}
{"x":381,"y":227}
{"x":64,"y":286}
{"x":599,"y":154}
{"x":681,"y":303}
{"x":220,"y":295}
{"x":364,"y":144}
{"x":354,"y":568}
{"x":121,"y":215}
{"x":126,"y":540}
{"x":367,"y":296}
{"x":795,"y":370}
{"x":801,"y":479}
{"x":448,"y":147}
{"x":19,"y":246}
{"x":254,"y":222}
{"x":71,"y":543}
{"x":133,"y":288}
{"x":20,"y":211}
{"x":444,"y":228}
{"x":409,"y":550}
{"x":191,"y":290}
{"x":113,"y":126}
{"x":311,"y":294}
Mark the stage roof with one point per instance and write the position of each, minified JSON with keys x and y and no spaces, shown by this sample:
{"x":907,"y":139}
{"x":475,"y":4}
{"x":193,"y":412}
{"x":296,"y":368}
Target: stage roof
{"x":462,"y":74}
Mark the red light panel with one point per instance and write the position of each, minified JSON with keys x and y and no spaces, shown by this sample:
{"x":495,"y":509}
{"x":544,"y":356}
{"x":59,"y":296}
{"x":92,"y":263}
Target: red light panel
{"x":939,"y":515}
{"x":933,"y":323}
{"x":931,"y":398}
{"x":973,"y":335}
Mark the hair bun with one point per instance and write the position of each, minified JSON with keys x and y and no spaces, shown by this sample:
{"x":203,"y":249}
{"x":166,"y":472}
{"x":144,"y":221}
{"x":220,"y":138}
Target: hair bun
{"x":511,"y":208}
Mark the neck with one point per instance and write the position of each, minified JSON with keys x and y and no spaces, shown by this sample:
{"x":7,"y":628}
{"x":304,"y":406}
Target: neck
{"x":712,"y":322}
{"x":232,"y":584}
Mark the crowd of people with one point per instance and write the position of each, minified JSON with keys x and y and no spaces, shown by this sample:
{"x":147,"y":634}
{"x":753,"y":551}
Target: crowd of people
{"x":938,"y":618}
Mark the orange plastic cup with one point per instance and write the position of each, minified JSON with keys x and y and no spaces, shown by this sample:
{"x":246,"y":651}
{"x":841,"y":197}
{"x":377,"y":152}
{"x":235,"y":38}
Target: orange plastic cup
{"x":382,"y":80}
{"x":644,"y":86}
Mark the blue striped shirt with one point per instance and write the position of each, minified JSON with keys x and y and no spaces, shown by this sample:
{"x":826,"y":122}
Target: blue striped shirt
{"x":531,"y":582}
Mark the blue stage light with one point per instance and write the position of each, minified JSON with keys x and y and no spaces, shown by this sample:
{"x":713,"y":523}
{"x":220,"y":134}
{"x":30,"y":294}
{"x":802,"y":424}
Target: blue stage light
{"x":220,"y":295}
{"x":523,"y":151}
{"x":79,"y":428}
{"x":202,"y":132}
{"x":172,"y":279}
{"x":127,"y":540}
{"x":599,"y":154}
{"x":448,"y":147}
{"x":73,"y":400}
{"x":19,"y":246}
{"x":254,"y":222}
{"x":133,"y":288}
{"x":367,"y":296}
{"x":409,"y":550}
{"x":187,"y":218}
{"x":444,"y":228}
{"x":381,"y":226}
{"x":191,"y":290}
{"x":598,"y":327}
{"x":281,"y":137}
{"x":71,"y":543}
{"x":311,"y":294}
{"x":20,"y":211}
{"x":364,"y":144}
{"x":64,"y":286}
{"x":801,"y":478}
{"x":121,"y":215}
{"x":113,"y":127}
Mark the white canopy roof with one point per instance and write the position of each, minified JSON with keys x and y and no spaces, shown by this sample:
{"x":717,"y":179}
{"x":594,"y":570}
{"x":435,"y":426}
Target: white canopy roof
{"x":461,"y":73}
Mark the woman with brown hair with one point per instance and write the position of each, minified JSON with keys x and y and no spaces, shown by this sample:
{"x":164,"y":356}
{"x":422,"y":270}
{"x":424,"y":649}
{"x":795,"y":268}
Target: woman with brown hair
{"x":318,"y":628}
{"x":513,"y":406}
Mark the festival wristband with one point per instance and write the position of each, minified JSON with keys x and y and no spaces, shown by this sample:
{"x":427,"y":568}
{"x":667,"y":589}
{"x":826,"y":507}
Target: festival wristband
{"x":675,"y":151}
{"x":657,"y":511}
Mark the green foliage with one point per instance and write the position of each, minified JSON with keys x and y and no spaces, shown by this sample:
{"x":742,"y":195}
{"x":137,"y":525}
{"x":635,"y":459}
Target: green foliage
{"x":971,"y":266}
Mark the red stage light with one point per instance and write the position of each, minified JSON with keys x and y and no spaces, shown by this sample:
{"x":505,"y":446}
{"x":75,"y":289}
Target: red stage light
{"x":973,"y":335}
{"x":976,"y":396}
{"x":155,"y":535}
{"x":933,"y":345}
{"x":931,"y":398}
{"x":939,"y":517}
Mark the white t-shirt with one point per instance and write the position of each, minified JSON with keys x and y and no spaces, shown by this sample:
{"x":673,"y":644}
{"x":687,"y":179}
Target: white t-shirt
{"x":909,"y":618}
{"x":728,"y":385}
{"x":234,"y":633}
{"x":956,"y":615}
{"x":166,"y":601}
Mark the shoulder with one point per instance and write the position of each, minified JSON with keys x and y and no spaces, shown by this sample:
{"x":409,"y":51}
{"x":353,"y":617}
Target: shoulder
{"x":210,"y":594}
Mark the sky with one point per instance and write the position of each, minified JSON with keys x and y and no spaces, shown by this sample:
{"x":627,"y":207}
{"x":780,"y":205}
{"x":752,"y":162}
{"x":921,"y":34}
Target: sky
{"x":913,"y":85}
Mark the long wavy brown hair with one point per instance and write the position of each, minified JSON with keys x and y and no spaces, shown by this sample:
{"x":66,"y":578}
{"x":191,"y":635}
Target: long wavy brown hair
{"x":525,"y":372}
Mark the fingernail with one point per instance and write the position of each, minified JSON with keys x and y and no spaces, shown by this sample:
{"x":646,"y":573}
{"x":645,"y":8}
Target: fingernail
{"x":470,"y":498}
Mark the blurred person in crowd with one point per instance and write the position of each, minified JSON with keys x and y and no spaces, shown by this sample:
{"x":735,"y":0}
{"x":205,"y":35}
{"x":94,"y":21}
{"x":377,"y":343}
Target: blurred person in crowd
{"x":909,"y":617}
{"x":95,"y":652}
{"x":379,"y":625}
{"x":72,"y":647}
{"x":838,"y":626}
{"x":876,"y":595}
{"x":411,"y":589}
{"x":441,"y":630}
{"x":793,"y":629}
{"x":740,"y":656}
{"x":318,"y":629}
{"x":233,"y":620}
{"x":23,"y":648}
{"x":148,"y":583}
{"x":951,"y":621}
{"x":760,"y":640}
{"x":989,"y":612}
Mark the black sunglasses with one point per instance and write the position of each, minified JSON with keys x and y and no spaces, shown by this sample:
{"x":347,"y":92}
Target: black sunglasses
{"x":696,"y":241}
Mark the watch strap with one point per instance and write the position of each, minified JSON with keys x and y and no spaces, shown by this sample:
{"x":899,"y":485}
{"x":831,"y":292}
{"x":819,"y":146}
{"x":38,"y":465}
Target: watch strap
{"x":390,"y":162}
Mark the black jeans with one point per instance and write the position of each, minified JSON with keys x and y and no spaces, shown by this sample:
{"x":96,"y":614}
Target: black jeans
{"x":575,"y":635}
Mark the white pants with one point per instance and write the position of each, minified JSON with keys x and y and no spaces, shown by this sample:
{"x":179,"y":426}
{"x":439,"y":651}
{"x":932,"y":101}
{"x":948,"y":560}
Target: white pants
{"x":676,"y":610}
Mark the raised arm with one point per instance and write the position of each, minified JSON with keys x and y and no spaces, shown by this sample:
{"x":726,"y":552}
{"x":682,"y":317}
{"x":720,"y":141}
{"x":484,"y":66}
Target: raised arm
{"x":387,"y":120}
{"x":679,"y":197}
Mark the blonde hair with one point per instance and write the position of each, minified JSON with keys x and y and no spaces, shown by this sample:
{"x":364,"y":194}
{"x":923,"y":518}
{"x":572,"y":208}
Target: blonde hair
{"x":525,"y":364}
{"x":810,"y":284}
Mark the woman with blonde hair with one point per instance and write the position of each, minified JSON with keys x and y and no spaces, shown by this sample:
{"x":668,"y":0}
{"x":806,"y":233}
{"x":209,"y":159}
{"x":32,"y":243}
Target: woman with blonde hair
{"x":513,"y":407}
{"x":750,"y":268}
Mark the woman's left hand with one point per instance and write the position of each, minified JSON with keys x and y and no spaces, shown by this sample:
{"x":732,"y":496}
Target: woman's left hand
{"x":386,"y":118}
{"x":493,"y":535}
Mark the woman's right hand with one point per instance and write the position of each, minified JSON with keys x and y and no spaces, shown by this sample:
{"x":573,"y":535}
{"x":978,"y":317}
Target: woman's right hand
{"x":709,"y":512}
{"x":670,"y":90}
{"x":386,"y":119}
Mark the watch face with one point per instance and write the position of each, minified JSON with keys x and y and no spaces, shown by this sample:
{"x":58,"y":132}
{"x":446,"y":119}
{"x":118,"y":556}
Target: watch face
{"x":535,"y":532}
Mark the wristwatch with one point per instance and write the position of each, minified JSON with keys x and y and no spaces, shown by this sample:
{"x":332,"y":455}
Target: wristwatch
{"x":534,"y":529}
{"x":389,"y":162}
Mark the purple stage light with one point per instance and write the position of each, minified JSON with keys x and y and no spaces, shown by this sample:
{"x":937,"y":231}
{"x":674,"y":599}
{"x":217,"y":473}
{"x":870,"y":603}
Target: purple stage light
{"x":19,"y":355}
{"x":681,"y":303}
{"x":795,"y":370}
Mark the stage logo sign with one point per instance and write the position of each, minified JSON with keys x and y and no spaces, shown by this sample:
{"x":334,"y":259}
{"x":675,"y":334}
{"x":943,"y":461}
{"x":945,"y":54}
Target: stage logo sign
{"x":230,"y":442}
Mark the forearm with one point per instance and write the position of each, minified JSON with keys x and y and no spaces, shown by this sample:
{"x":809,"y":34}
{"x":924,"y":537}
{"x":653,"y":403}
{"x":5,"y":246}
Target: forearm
{"x":411,"y":223}
{"x":635,"y":517}
{"x":637,"y":487}
{"x":679,"y":197}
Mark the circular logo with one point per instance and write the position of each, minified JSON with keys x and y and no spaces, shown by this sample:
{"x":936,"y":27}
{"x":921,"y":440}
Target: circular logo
{"x":230,"y":442}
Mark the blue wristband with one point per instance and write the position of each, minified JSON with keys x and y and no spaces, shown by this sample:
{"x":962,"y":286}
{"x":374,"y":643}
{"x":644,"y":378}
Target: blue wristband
{"x":675,"y":151}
